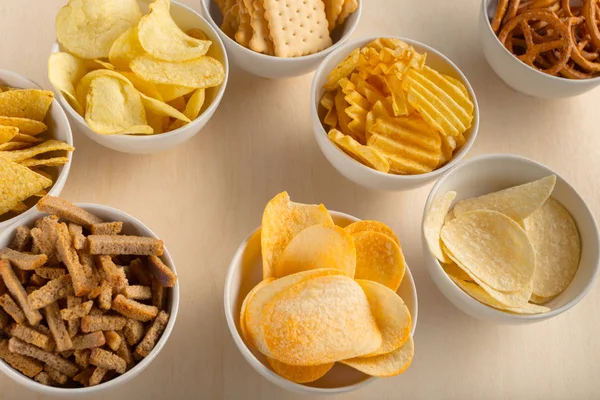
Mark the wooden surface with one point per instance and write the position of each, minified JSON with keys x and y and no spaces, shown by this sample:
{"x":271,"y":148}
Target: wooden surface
{"x":204,"y":197}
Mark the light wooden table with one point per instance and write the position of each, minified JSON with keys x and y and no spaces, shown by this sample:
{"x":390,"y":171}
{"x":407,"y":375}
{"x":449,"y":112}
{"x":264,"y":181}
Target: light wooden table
{"x":204,"y":197}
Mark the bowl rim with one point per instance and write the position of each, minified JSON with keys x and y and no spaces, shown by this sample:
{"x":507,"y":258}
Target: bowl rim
{"x":140,"y":366}
{"x":286,"y":60}
{"x":314,"y":112}
{"x":486,"y":16}
{"x":65,"y":169}
{"x":480,"y":307}
{"x":266,"y":372}
{"x":207,"y":112}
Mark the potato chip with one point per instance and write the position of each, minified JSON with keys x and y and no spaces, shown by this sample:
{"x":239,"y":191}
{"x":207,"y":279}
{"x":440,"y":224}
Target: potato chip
{"x":199,"y":73}
{"x":48,"y":162}
{"x":195,"y":103}
{"x":357,"y":111}
{"x":64,"y":71}
{"x":87,"y":28}
{"x":156,"y":122}
{"x":243,"y":329}
{"x":342,"y":70}
{"x":434,"y":220}
{"x":320,"y":320}
{"x":25,"y":125}
{"x":83,"y":87}
{"x":455,"y":271}
{"x":517,"y":202}
{"x":171,"y":92}
{"x":7,"y":133}
{"x":115,"y":107}
{"x":342,"y":118}
{"x":372,"y":226}
{"x":162,"y":109}
{"x":328,"y":103}
{"x":147,"y":88}
{"x":555,"y":238}
{"x":539,"y":300}
{"x":197,"y":34}
{"x":45,"y":147}
{"x":391,"y":316}
{"x":492,"y":247}
{"x":125,"y":49}
{"x":385,"y":365}
{"x":299,"y":374}
{"x":281,"y":221}
{"x":379,"y":259}
{"x":18,"y":183}
{"x":399,"y":100}
{"x":318,"y":246}
{"x":365,"y":155}
{"x":26,"y":103}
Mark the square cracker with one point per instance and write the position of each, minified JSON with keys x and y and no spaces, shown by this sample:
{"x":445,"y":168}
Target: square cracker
{"x":244,"y":31}
{"x":333,"y":9}
{"x":261,"y":38}
{"x":298,"y":27}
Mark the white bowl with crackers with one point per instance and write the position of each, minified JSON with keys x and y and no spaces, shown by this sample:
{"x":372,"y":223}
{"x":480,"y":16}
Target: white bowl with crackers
{"x":248,"y":293}
{"x":173,"y":79}
{"x":90,"y":311}
{"x":392,"y":125}
{"x":33,"y":143}
{"x":508,"y":241}
{"x":295,"y":40}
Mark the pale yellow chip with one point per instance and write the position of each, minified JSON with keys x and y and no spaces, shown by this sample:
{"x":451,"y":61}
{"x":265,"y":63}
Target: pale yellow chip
{"x":157,"y":107}
{"x":26,"y":103}
{"x":145,"y":87}
{"x":555,"y":238}
{"x":88,"y":28}
{"x":178,"y":104}
{"x":379,"y":259}
{"x":517,"y":202}
{"x":299,"y":374}
{"x":7,"y":133}
{"x":203,"y":72}
{"x":434,"y":220}
{"x":64,"y":71}
{"x":47,"y":162}
{"x":18,"y":183}
{"x":156,"y":122}
{"x":318,"y":246}
{"x":197,"y":34}
{"x":372,"y":226}
{"x":385,"y":365}
{"x":83,"y":86}
{"x":171,"y":92}
{"x":282,"y":220}
{"x":25,"y":125}
{"x":492,"y":247}
{"x":365,"y":155}
{"x":539,"y":300}
{"x":342,"y":70}
{"x":318,"y":321}
{"x":45,"y":147}
{"x":125,"y":49}
{"x":452,"y":269}
{"x":195,"y":103}
{"x":243,"y":330}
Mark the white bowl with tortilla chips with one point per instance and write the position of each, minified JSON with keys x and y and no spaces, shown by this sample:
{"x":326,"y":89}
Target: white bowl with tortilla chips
{"x":490,"y":173}
{"x":59,"y":129}
{"x":272,"y":67}
{"x":131,"y":226}
{"x":186,"y":18}
{"x":245,"y":271}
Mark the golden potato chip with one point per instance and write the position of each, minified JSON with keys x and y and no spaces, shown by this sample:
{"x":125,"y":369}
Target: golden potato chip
{"x":45,"y":147}
{"x":328,"y":103}
{"x":243,"y":330}
{"x":48,"y":162}
{"x":25,"y":125}
{"x":457,"y":83}
{"x":399,"y":100}
{"x":282,"y":220}
{"x":83,"y":87}
{"x":162,"y":109}
{"x":492,"y":247}
{"x":379,"y":259}
{"x":87,"y":28}
{"x":342,"y":70}
{"x":555,"y":238}
{"x":299,"y":374}
{"x":125,"y":49}
{"x":320,"y":320}
{"x":178,"y":104}
{"x":517,"y":202}
{"x":434,"y":220}
{"x":197,"y":34}
{"x":156,"y":122}
{"x":385,"y":365}
{"x":147,"y":88}
{"x":199,"y":73}
{"x":363,"y":154}
{"x":7,"y":133}
{"x":26,"y":103}
{"x":18,"y":183}
{"x":318,"y":246}
{"x":64,"y":71}
{"x":171,"y":92}
{"x":195,"y":103}
{"x":343,"y":118}
{"x":455,"y":271}
{"x":372,"y":226}
{"x":14,"y":146}
{"x":391,"y":316}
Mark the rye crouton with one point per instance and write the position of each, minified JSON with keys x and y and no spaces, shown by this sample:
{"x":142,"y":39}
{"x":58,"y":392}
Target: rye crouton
{"x":133,"y":309}
{"x":26,"y":365}
{"x":89,"y":341}
{"x":22,"y":240}
{"x":93,"y":323}
{"x":113,"y":340}
{"x":23,"y":261}
{"x":161,"y":272}
{"x":77,"y":311}
{"x":128,"y":245}
{"x":57,"y":327}
{"x":11,"y":308}
{"x":153,"y":334}
{"x":137,"y":292}
{"x":133,"y":331}
{"x":82,"y":279}
{"x":53,"y":360}
{"x":49,"y":273}
{"x":18,"y":293}
{"x":68,"y":211}
{"x":77,"y":238}
{"x":107,"y":360}
{"x":97,"y":376}
{"x":28,"y":335}
{"x":50,"y":293}
{"x":107,"y":228}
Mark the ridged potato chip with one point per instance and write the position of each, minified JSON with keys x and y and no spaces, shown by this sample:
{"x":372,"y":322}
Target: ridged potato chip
{"x":385,"y":365}
{"x":64,"y":71}
{"x":299,"y":374}
{"x":379,"y":259}
{"x":25,"y":125}
{"x":7,"y":133}
{"x":45,"y":147}
{"x":328,"y":103}
{"x":372,"y":226}
{"x":343,"y":70}
{"x":18,"y":183}
{"x":203,"y":72}
{"x":434,"y":220}
{"x":318,"y":246}
{"x":125,"y":49}
{"x":365,"y":155}
{"x":342,"y":118}
{"x":26,"y":103}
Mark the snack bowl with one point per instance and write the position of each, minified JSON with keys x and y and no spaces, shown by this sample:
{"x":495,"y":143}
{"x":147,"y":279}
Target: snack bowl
{"x":518,"y":75}
{"x":58,"y":128}
{"x":245,"y":271}
{"x":131,"y":226}
{"x":489,"y":173}
{"x":277,"y":67}
{"x":359,"y":173}
{"x":186,"y":18}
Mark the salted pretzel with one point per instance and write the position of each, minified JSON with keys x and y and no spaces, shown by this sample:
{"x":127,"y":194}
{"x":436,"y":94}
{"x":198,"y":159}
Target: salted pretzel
{"x":591,"y":13}
{"x":576,"y":53}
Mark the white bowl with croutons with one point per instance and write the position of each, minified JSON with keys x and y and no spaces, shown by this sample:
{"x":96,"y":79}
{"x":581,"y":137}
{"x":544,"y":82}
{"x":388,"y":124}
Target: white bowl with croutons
{"x":131,"y":226}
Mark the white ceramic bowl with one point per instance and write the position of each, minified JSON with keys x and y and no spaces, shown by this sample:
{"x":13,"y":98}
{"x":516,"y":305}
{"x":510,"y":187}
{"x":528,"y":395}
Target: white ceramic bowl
{"x":277,"y":67}
{"x":360,"y":173}
{"x":58,"y":128}
{"x":489,"y":173}
{"x":245,"y":271}
{"x":186,"y":18}
{"x":518,"y":75}
{"x":131,"y":226}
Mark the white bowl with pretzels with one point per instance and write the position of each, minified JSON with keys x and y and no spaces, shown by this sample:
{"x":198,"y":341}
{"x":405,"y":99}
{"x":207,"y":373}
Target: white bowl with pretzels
{"x":557,"y":56}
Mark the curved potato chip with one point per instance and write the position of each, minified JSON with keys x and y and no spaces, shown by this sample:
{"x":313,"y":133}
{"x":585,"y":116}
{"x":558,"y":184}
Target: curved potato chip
{"x":26,"y":103}
{"x":83,"y":87}
{"x":318,"y":246}
{"x":18,"y":183}
{"x":320,"y":320}
{"x":385,"y":365}
{"x":162,"y":109}
{"x":365,"y":155}
{"x":492,"y":247}
{"x":147,"y":88}
{"x":87,"y":28}
{"x":64,"y":71}
{"x":243,"y":330}
{"x":299,"y":374}
{"x":555,"y":238}
{"x":282,"y":220}
{"x":379,"y":259}
{"x":45,"y":147}
{"x":342,"y":70}
{"x":195,"y":103}
{"x":372,"y":226}
{"x":391,"y":316}
{"x":518,"y":202}
{"x":156,"y":122}
{"x":434,"y":220}
{"x":178,"y":104}
{"x":125,"y":49}
{"x":455,"y":271}
{"x":197,"y":34}
{"x":539,"y":300}
{"x":25,"y":125}
{"x":328,"y":103}
{"x":7,"y":133}
{"x":199,"y":73}
{"x":171,"y":92}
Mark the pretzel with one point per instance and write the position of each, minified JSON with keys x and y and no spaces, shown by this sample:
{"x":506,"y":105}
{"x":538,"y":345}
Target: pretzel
{"x":499,"y":15}
{"x":591,"y":13}
{"x":577,"y":56}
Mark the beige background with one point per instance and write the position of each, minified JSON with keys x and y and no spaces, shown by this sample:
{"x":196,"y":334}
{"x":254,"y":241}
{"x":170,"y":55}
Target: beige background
{"x":204,"y":197}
